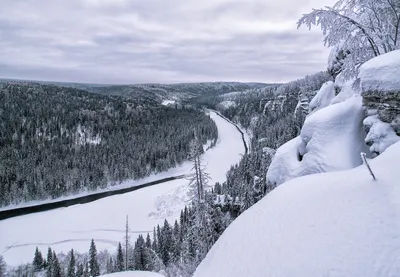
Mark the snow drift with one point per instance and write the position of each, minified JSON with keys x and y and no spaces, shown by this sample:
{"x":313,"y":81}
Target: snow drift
{"x":323,"y":97}
{"x":331,"y":139}
{"x":329,"y":224}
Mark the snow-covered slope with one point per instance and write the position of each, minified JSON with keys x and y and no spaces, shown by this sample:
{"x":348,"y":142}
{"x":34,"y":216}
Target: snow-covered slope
{"x":329,"y":224}
{"x":133,"y":274}
{"x":104,"y":220}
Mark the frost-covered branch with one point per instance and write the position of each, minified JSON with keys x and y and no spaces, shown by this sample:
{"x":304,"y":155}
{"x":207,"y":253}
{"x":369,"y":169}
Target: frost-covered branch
{"x":362,"y":28}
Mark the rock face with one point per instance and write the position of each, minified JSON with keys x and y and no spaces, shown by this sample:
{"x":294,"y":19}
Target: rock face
{"x":380,"y":88}
{"x":386,"y":106}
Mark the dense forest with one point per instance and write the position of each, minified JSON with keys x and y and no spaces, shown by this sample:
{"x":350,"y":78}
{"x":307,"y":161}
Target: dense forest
{"x":57,"y":141}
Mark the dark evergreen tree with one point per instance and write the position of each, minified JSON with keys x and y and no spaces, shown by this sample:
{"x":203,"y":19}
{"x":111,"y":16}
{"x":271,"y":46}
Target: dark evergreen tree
{"x":79,"y":270}
{"x":93,"y":262}
{"x":56,"y":272}
{"x":71,"y":266}
{"x":49,"y":269}
{"x":3,"y":267}
{"x":148,"y":241}
{"x":120,"y":265}
{"x":37,"y":260}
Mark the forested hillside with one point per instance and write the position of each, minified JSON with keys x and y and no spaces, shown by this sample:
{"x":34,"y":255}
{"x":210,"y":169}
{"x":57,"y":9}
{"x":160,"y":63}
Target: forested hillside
{"x":56,"y":141}
{"x":158,"y":92}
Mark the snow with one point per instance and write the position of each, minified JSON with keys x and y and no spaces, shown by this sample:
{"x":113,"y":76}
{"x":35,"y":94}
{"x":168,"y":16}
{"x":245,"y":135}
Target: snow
{"x":179,"y":170}
{"x":104,"y":220}
{"x":330,"y":224}
{"x":381,"y":73}
{"x":227,"y":104}
{"x":133,"y":274}
{"x":380,"y":135}
{"x":269,"y":152}
{"x":346,"y":89}
{"x":323,"y":97}
{"x":168,"y":102}
{"x":330,"y":140}
{"x":84,"y":136}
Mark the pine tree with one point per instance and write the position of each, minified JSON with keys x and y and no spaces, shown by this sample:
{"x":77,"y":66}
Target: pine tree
{"x":176,"y":246}
{"x":3,"y":267}
{"x":154,"y":244}
{"x":79,"y":270}
{"x":93,"y":262}
{"x":49,"y":271}
{"x":120,"y":259}
{"x":56,"y":272}
{"x":37,"y":260}
{"x":148,"y":241}
{"x":71,"y":265}
{"x":166,"y":243}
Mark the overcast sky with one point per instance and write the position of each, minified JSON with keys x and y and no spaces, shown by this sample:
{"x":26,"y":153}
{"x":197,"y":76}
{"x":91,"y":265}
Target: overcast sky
{"x":158,"y":41}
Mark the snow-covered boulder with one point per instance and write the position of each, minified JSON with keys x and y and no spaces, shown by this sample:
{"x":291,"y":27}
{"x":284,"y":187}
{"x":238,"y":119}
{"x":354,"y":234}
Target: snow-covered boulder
{"x":380,"y":135}
{"x":323,"y":98}
{"x":332,"y":224}
{"x":133,"y":274}
{"x":380,"y":87}
{"x":330,"y":140}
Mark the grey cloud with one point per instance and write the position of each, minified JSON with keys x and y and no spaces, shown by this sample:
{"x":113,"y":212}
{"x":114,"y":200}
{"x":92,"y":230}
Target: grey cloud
{"x":124,"y":41}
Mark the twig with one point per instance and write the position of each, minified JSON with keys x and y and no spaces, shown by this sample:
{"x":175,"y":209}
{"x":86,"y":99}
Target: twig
{"x":364,"y":158}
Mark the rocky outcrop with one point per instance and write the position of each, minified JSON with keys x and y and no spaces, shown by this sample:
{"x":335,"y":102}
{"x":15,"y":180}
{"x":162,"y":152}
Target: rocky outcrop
{"x":385,"y":105}
{"x":380,"y":88}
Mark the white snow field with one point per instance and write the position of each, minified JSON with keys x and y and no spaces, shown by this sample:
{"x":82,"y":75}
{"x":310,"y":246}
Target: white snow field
{"x":104,"y":220}
{"x":133,"y":274}
{"x":329,"y":224}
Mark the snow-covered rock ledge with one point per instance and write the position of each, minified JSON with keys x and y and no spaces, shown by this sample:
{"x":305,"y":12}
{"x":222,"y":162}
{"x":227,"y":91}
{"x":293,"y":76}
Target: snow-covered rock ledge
{"x":380,"y":88}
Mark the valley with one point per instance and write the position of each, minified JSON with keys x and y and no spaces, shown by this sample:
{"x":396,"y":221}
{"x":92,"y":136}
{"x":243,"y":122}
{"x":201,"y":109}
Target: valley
{"x":104,"y":219}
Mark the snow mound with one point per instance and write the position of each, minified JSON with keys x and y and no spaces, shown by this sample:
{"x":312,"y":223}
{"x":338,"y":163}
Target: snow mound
{"x":133,"y":274}
{"x":330,"y":224}
{"x":346,"y":89}
{"x":380,"y":135}
{"x":323,"y":97}
{"x":381,"y":73}
{"x":285,"y":162}
{"x":330,"y":140}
